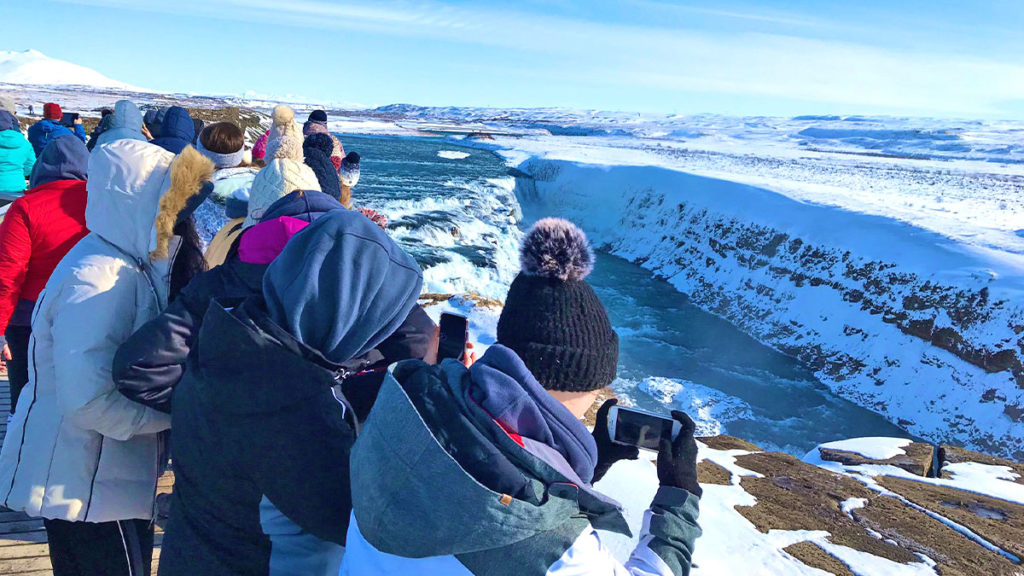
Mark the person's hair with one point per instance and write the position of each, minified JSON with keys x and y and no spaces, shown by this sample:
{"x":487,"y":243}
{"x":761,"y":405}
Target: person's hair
{"x":222,"y":138}
{"x":189,"y":261}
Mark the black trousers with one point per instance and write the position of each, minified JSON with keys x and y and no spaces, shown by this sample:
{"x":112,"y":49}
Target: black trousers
{"x":17,"y":367}
{"x":123,"y":548}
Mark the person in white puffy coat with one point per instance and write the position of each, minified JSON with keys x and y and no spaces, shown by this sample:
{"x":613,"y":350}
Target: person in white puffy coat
{"x":79,"y":454}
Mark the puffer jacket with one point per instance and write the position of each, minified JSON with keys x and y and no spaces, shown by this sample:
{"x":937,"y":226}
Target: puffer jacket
{"x":16,"y":155}
{"x":125,"y":124}
{"x":482,"y":471}
{"x":41,"y":227}
{"x":262,"y":465}
{"x":40,"y":133}
{"x":78,"y":450}
{"x":176,"y":131}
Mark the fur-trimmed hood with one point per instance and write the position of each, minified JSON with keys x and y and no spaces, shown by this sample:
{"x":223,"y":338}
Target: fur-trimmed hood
{"x":136,"y":191}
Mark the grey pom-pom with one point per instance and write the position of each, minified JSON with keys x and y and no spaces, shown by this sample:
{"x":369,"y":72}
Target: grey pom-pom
{"x":556,"y":248}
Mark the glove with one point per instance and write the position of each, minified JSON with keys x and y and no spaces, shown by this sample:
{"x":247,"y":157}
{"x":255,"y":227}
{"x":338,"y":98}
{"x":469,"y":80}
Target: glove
{"x":677,"y":460}
{"x":608,"y":452}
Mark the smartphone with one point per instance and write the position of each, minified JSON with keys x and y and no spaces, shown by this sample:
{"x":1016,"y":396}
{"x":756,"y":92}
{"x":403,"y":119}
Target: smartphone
{"x":69,"y":119}
{"x":641,"y":429}
{"x":454,"y":335}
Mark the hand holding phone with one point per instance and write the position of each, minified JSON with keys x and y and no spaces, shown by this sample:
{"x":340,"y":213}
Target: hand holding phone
{"x":632,"y":427}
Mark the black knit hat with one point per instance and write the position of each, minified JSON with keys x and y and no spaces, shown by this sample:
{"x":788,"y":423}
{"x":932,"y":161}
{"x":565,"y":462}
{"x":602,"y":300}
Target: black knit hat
{"x":318,"y":116}
{"x":552,"y":318}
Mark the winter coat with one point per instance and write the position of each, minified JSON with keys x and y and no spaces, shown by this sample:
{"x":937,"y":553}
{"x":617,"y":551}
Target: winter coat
{"x":150,"y":364}
{"x":77,"y":450}
{"x":40,"y":133}
{"x":125,"y":124}
{"x":100,"y":128}
{"x":16,"y":155}
{"x":40,"y":228}
{"x":492,"y":477}
{"x":176,"y":131}
{"x":262,"y":466}
{"x":223,"y":242}
{"x":259,"y":149}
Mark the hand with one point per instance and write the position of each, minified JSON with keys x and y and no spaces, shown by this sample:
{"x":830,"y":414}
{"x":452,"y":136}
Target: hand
{"x":608,"y":452}
{"x":677,"y":460}
{"x":77,"y":121}
{"x":146,"y":132}
{"x":5,"y":355}
{"x":468,"y":356}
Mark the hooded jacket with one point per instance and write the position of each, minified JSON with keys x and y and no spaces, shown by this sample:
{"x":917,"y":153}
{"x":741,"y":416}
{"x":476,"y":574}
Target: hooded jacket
{"x":77,"y":450}
{"x":176,"y":131}
{"x":267,"y":423}
{"x":40,"y":133}
{"x":125,"y":124}
{"x":492,"y":477}
{"x":41,"y":226}
{"x":151,"y":362}
{"x":16,"y":155}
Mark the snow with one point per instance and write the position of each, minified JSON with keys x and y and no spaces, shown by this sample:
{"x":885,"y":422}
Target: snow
{"x":851,"y":504}
{"x":34,"y":67}
{"x":452,"y":154}
{"x":871,"y":448}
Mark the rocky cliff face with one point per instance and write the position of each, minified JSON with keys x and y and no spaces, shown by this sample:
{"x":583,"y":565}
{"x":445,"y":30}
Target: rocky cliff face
{"x":923,"y":330}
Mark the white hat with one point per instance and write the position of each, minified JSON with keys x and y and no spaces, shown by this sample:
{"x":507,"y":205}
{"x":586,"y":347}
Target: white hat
{"x":280,"y":178}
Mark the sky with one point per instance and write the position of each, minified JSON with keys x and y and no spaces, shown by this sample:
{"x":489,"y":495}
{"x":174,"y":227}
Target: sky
{"x":941,"y":58}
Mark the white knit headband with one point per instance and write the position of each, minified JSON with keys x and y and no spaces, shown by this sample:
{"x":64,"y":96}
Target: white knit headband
{"x":221,"y":160}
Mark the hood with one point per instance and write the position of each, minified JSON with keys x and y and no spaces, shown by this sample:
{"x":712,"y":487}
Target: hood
{"x":8,"y":121}
{"x":134,"y":184}
{"x":240,"y":345}
{"x":64,"y":158}
{"x":453,"y":449}
{"x":307,"y":205}
{"x":278,"y":178}
{"x":341,"y":286}
{"x":176,"y":131}
{"x":264,"y":241}
{"x":125,"y":124}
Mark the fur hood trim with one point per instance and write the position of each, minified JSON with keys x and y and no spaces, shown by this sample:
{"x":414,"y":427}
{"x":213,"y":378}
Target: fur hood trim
{"x":189,"y":171}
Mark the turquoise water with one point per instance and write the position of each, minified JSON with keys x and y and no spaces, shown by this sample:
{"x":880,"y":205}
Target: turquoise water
{"x":742,"y":387}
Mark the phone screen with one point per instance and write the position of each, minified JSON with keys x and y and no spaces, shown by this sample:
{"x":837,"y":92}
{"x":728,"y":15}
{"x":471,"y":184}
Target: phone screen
{"x":453,"y":336}
{"x":641,"y":429}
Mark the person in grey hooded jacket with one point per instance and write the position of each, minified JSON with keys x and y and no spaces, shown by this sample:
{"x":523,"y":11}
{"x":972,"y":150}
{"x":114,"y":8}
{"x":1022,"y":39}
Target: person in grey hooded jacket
{"x":489,"y":470}
{"x":262,"y":431}
{"x":124,"y":124}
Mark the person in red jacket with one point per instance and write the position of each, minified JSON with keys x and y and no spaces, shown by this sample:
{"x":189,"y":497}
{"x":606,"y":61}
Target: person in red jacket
{"x":38,"y":230}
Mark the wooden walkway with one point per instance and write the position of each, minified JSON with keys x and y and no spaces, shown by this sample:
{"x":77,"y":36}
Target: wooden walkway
{"x":23,"y":549}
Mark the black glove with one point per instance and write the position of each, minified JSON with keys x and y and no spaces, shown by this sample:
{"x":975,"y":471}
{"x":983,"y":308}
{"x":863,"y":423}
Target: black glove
{"x":608,"y":452}
{"x":677,"y":460}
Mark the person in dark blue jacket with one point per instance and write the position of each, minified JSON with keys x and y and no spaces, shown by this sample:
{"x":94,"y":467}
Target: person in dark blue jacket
{"x":262,"y":433}
{"x":40,"y":133}
{"x":176,"y":131}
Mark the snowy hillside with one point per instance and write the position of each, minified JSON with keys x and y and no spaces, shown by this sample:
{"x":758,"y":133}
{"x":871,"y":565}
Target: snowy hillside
{"x":34,"y":67}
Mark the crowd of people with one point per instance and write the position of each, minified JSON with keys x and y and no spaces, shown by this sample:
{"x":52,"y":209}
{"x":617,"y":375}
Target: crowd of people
{"x":288,"y":376}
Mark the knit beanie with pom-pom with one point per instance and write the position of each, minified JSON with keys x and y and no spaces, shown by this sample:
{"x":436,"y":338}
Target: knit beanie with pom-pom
{"x":349,"y":171}
{"x":552,"y":318}
{"x":317,"y":150}
{"x":285,"y":137}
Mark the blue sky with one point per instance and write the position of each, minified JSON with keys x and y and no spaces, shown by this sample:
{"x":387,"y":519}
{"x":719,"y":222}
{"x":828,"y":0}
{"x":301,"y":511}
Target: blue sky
{"x":929,"y":58}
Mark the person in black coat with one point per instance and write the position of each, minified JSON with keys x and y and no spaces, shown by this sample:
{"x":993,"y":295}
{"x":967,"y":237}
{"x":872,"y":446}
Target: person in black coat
{"x":151,"y":362}
{"x":262,"y":433}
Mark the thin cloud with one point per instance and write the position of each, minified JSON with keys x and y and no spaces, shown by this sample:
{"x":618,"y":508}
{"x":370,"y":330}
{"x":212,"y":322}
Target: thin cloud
{"x":674,"y":60}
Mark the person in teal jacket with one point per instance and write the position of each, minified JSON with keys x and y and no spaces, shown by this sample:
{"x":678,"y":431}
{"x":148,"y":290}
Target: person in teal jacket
{"x":16,"y":155}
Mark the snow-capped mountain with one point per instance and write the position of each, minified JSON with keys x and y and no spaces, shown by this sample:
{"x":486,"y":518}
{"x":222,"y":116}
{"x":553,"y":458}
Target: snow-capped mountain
{"x":34,"y":67}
